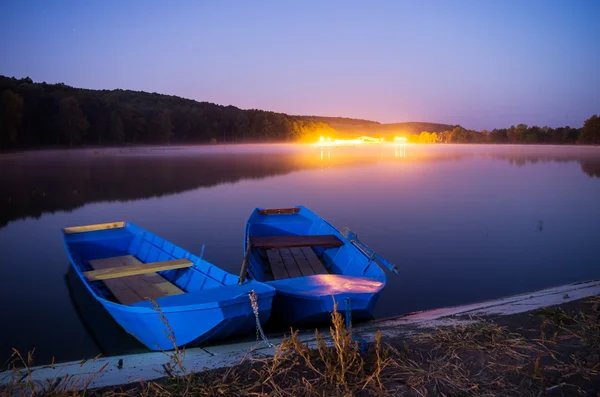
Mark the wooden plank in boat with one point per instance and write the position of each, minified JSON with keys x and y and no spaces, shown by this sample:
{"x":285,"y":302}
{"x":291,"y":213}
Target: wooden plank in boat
{"x":120,"y":288}
{"x":161,"y":283}
{"x":271,"y":211}
{"x":290,"y":263}
{"x":314,"y":260}
{"x":151,"y":285}
{"x":132,"y":289}
{"x":136,"y":269}
{"x":93,"y":227}
{"x":122,"y":291}
{"x":277,"y":267}
{"x":302,"y":262}
{"x":168,"y":288}
{"x":266,"y":242}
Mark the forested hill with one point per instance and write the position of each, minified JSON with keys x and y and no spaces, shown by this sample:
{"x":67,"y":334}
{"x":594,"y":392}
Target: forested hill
{"x":40,"y":114}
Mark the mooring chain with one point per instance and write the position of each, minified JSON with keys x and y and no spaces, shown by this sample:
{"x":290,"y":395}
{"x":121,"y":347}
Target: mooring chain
{"x":348,"y":314}
{"x":363,"y":345}
{"x":259,"y":331}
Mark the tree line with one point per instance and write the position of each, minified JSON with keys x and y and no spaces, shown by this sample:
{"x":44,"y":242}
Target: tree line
{"x":42,"y":115}
{"x":520,"y":134}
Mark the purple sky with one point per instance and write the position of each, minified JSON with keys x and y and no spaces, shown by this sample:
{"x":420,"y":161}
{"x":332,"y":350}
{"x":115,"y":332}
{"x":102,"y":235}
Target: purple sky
{"x":479,"y":63}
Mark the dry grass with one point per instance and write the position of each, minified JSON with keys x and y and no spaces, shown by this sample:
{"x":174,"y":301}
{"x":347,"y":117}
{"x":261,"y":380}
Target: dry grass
{"x":23,"y":383}
{"x":174,"y":368}
{"x":479,"y":359}
{"x":480,"y":336}
{"x":334,"y":367}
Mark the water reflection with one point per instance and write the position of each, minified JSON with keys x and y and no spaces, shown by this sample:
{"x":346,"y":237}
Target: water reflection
{"x":400,"y":151}
{"x":106,"y":337}
{"x":32,"y":184}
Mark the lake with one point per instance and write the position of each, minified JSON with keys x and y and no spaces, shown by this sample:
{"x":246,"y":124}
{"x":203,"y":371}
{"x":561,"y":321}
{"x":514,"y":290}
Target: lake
{"x":463,"y":223}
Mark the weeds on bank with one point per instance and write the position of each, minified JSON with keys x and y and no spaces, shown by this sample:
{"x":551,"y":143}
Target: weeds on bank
{"x":479,"y":359}
{"x":481,"y":336}
{"x":582,"y":330}
{"x":476,"y":359}
{"x":22,"y":382}
{"x":582,"y":326}
{"x":174,"y":368}
{"x":334,"y":367}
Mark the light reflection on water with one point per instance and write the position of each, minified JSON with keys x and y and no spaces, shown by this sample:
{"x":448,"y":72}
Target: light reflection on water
{"x":462,"y":223}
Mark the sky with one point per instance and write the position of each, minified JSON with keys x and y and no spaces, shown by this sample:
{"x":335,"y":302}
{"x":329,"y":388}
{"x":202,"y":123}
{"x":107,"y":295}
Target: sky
{"x":482,"y":64}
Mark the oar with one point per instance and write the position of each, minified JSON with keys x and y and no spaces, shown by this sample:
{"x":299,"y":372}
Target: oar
{"x":244,"y":270}
{"x":350,"y":235}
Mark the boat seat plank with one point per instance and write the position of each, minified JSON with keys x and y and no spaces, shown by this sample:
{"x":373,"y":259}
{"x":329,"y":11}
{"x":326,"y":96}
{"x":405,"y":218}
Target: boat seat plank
{"x":136,"y":269}
{"x":273,"y":211}
{"x":302,"y":262}
{"x":277,"y":267}
{"x":135,"y":288}
{"x":268,"y":242}
{"x":94,"y":227}
{"x":123,"y":289}
{"x":314,"y":260}
{"x":290,"y":263}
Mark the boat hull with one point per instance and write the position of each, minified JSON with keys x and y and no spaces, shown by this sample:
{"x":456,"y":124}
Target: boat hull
{"x":188,"y":327}
{"x":211,"y":304}
{"x":300,"y":310}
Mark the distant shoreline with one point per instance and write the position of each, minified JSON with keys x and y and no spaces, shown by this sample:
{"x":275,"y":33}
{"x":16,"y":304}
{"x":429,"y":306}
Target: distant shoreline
{"x":40,"y":115}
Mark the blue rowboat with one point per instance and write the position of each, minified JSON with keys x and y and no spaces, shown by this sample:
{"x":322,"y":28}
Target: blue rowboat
{"x":131,"y":272}
{"x":310,"y":264}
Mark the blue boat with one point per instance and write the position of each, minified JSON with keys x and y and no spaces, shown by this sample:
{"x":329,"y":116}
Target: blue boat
{"x":130,"y":271}
{"x":310,"y":264}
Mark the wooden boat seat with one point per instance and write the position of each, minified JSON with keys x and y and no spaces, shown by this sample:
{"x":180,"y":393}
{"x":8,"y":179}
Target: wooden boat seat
{"x":128,"y":287}
{"x":94,"y":227}
{"x":267,"y":242}
{"x":135,"y":269}
{"x":294,"y":262}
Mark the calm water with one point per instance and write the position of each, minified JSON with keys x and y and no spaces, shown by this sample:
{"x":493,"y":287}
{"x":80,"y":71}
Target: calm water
{"x":463,"y":223}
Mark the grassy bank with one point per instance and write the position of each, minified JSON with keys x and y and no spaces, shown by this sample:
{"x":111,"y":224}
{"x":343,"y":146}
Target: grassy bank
{"x":553,"y":351}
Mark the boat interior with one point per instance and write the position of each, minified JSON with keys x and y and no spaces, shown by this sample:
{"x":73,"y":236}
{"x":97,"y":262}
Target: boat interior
{"x":288,"y":243}
{"x":115,"y":273}
{"x":127,"y":264}
{"x":282,"y":257}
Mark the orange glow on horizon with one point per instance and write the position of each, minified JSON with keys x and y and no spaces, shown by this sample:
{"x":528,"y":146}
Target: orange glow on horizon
{"x":356,"y":141}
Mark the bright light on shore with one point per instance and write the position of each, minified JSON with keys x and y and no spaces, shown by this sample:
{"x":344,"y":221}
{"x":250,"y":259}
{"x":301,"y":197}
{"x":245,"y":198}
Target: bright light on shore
{"x":400,"y":139}
{"x":363,"y":140}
